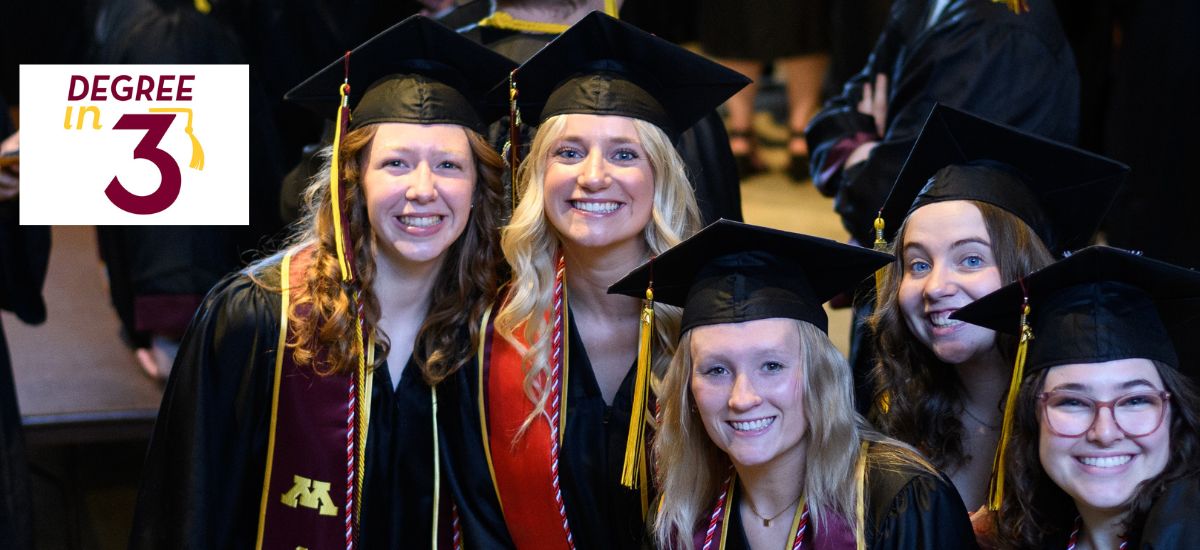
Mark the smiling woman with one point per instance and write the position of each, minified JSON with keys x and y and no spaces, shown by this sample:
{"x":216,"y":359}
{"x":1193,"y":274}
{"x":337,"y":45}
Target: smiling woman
{"x":757,"y":416}
{"x":977,"y":205}
{"x":1106,"y":424}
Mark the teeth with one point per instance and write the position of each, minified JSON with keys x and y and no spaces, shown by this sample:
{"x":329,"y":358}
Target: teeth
{"x":752,"y":425}
{"x":421,"y":221}
{"x":596,"y":207}
{"x":942,"y":319}
{"x":1105,"y":461}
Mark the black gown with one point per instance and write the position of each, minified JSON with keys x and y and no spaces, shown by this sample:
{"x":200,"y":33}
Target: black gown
{"x":602,"y":513}
{"x":1174,"y":519}
{"x":202,"y":482}
{"x":978,"y":56}
{"x":908,"y":510}
{"x":24,"y":257}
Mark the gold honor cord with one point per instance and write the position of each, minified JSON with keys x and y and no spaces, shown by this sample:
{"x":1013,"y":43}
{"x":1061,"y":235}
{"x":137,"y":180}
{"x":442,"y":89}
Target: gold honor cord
{"x":796,"y":517}
{"x":502,"y":20}
{"x":483,"y":423}
{"x":280,"y":349}
{"x":996,"y":489}
{"x":363,"y":404}
{"x":197,"y":162}
{"x":860,"y":500}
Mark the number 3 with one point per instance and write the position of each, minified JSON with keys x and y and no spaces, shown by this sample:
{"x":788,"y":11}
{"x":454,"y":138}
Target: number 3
{"x":156,"y":126}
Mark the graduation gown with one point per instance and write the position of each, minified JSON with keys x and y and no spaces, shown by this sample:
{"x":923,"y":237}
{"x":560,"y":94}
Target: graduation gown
{"x":601,"y":512}
{"x":977,"y":56}
{"x":1174,"y":519}
{"x":203,"y":480}
{"x":907,"y":510}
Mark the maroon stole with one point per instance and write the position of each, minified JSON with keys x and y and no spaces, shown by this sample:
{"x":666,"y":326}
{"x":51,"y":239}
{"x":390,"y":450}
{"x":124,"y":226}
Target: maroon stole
{"x":311,"y":486}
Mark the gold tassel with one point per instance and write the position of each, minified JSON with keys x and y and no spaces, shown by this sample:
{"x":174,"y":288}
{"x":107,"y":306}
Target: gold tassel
{"x":335,"y":181}
{"x":635,"y":450}
{"x":1017,"y":6}
{"x":197,"y":162}
{"x":885,"y":402}
{"x":996,"y":491}
{"x":202,"y":6}
{"x":512,"y":147}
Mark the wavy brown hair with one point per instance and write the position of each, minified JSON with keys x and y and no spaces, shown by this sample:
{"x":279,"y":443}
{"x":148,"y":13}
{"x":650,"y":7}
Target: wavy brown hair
{"x":924,"y":394}
{"x":322,"y":311}
{"x":1036,"y":513}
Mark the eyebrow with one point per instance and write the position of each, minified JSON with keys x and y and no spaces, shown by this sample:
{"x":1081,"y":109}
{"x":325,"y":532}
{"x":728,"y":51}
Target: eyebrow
{"x":617,"y":140}
{"x":1074,"y":386}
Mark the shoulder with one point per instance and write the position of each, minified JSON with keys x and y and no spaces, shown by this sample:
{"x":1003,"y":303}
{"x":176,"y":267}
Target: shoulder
{"x":911,"y":506}
{"x":1174,"y":519}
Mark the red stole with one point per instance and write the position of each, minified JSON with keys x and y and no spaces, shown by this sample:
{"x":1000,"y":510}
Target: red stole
{"x":314,"y":451}
{"x":522,"y":469}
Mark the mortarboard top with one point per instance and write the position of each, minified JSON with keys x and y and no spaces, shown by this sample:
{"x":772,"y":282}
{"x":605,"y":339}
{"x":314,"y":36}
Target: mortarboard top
{"x":732,"y":272}
{"x":603,"y":66}
{"x":1061,"y":192}
{"x":417,"y":71}
{"x":1100,"y":304}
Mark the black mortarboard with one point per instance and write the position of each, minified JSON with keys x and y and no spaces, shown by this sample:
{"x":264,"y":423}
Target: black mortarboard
{"x":604,"y":66}
{"x":732,"y":272}
{"x":417,"y":71}
{"x":1100,"y":304}
{"x":1061,"y":192}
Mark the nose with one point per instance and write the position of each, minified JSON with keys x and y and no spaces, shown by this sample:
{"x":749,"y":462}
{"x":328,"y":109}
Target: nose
{"x":940,"y":283}
{"x":594,"y":175}
{"x":422,"y":188}
{"x":744,"y":395}
{"x":1104,"y":430}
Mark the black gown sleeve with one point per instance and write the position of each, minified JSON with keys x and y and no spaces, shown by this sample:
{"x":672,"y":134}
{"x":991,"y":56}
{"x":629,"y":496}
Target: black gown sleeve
{"x":1174,"y":519}
{"x":926,"y":512}
{"x":202,"y":481}
{"x":982,"y":59}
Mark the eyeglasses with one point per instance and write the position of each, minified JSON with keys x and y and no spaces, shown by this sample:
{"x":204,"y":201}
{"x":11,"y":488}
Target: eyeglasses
{"x":1072,"y":414}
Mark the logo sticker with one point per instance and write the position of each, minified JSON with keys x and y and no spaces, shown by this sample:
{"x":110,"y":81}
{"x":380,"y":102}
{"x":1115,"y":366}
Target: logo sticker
{"x":134,"y":145}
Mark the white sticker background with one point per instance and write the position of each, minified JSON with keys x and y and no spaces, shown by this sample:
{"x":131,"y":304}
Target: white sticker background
{"x":64,"y":172}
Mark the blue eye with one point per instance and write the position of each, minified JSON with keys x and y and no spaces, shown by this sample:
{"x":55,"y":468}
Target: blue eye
{"x":449,"y":165}
{"x":773,"y":366}
{"x":395,"y":163}
{"x":625,"y":155}
{"x":919,"y":266}
{"x":973,"y":261}
{"x":568,"y":153}
{"x":716,"y":370}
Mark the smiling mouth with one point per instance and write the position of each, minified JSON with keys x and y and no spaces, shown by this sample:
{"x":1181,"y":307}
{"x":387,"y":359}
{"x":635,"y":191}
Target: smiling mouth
{"x":421,"y":220}
{"x":1105,"y":461}
{"x":594,"y":207}
{"x":751,"y":425}
{"x":942,"y":319}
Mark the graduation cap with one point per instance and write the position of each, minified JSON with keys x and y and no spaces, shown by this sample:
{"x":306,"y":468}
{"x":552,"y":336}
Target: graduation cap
{"x":418,"y":71}
{"x":1061,"y":192}
{"x":603,"y":66}
{"x":1100,"y":304}
{"x":732,"y":272}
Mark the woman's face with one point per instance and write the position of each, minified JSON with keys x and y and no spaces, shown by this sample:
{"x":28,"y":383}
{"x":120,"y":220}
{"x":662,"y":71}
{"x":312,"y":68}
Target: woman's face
{"x":747,"y":382}
{"x":418,"y":181}
{"x":947,"y":263}
{"x":1102,"y":468}
{"x":599,"y":185}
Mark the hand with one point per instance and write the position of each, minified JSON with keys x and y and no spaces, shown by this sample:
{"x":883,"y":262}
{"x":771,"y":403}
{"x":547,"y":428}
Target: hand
{"x":10,"y":176}
{"x":860,"y":153}
{"x":874,"y":103}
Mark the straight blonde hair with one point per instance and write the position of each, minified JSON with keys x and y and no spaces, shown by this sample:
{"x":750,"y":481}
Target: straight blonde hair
{"x":690,"y":468}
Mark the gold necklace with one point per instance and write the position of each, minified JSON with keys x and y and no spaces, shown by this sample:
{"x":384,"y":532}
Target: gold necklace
{"x":767,"y":521}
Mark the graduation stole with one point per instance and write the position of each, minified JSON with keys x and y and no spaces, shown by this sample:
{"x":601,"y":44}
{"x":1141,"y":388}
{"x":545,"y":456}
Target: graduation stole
{"x":312,"y":487}
{"x":525,"y":470}
{"x":718,"y":528}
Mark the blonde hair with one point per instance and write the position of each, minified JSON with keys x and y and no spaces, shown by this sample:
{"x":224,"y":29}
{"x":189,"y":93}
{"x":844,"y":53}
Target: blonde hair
{"x":690,"y":468}
{"x":531,"y":245}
